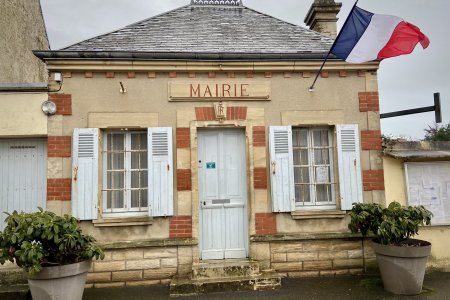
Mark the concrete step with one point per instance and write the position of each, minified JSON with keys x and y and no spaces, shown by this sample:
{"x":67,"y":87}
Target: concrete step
{"x":265,"y":280}
{"x":225,"y":268}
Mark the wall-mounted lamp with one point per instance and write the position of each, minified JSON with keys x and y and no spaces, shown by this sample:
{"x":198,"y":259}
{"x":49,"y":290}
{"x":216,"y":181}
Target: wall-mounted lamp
{"x":49,"y":108}
{"x":122,"y":88}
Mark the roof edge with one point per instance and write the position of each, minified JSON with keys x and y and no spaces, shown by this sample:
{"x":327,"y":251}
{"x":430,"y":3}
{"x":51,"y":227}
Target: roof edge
{"x":200,"y":56}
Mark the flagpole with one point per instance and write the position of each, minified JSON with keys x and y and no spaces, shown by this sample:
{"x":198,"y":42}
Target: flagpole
{"x":311,"y":88}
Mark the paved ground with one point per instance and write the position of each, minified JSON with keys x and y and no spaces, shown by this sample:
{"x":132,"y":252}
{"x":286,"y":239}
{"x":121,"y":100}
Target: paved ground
{"x":436,"y":287}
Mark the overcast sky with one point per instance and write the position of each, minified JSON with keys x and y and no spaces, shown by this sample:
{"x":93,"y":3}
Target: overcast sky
{"x":404,"y":82}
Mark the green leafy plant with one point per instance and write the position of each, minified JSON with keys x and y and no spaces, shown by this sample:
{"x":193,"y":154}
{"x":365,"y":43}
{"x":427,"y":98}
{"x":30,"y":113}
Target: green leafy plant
{"x":393,"y":225}
{"x":36,"y":240}
{"x":437,"y":133}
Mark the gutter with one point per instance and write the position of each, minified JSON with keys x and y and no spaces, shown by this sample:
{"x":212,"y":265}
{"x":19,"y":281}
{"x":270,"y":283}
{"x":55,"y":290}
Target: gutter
{"x":23,"y":87}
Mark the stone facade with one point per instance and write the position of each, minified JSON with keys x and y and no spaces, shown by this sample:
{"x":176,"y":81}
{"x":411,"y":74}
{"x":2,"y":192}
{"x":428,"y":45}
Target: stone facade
{"x":26,"y":32}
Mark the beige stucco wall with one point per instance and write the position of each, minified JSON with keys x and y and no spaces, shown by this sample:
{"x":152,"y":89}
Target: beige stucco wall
{"x":394,"y":180}
{"x":439,"y":236}
{"x":334,"y":101}
{"x":22,"y":31}
{"x":21,"y":115}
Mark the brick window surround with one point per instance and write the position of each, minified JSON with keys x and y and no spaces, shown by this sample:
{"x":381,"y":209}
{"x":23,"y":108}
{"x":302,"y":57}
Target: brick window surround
{"x":180,"y":227}
{"x":59,"y":146}
{"x":265,"y":223}
{"x":59,"y":189}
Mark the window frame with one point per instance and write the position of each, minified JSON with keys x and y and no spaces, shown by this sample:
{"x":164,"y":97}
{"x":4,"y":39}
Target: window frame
{"x":128,"y":211}
{"x":314,"y":204}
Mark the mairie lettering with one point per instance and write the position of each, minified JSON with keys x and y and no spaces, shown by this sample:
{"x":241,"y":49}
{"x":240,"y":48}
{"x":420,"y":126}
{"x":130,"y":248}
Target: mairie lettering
{"x":224,"y":90}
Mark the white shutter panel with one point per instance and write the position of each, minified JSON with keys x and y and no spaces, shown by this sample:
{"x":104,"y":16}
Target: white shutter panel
{"x":281,"y":169}
{"x":349,"y":162}
{"x":160,"y":173}
{"x":85,"y":173}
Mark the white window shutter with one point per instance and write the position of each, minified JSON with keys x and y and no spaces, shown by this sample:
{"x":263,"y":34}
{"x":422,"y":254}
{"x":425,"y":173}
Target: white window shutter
{"x":349,"y":162}
{"x":281,"y":169}
{"x":85,"y":173}
{"x":160,"y":173}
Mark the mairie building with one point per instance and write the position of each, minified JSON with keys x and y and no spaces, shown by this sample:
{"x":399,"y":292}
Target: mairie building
{"x":190,"y":142}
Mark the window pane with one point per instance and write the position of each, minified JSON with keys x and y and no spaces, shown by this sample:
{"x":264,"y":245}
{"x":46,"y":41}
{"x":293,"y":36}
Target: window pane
{"x":320,"y":138}
{"x":302,"y":194}
{"x":115,"y":199}
{"x":135,"y":179}
{"x":322,"y":174}
{"x":139,"y":198}
{"x":318,"y":158}
{"x":115,"y":180}
{"x":144,"y":197}
{"x":116,"y":161}
{"x":116,"y":142}
{"x":138,"y":141}
{"x":143,"y":160}
{"x":135,"y":160}
{"x":144,"y":179}
{"x":323,"y":192}
{"x":135,"y":198}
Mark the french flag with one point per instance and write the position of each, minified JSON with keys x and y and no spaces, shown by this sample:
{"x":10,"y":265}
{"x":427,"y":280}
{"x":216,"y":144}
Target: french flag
{"x":366,"y":36}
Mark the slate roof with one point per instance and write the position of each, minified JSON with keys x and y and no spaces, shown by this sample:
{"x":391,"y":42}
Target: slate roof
{"x":194,"y":30}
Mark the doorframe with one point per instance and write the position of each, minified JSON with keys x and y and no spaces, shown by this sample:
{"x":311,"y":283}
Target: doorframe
{"x":233,"y":124}
{"x":241,"y":130}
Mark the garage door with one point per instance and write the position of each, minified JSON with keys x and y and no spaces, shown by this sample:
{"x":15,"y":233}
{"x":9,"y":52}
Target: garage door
{"x":23,"y":175}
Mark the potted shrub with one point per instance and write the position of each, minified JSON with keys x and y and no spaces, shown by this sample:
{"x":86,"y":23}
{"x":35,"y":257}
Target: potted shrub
{"x":401,"y":259}
{"x":52,"y":251}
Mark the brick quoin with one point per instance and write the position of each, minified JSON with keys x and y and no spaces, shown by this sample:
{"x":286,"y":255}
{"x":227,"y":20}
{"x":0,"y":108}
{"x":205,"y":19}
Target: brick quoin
{"x":63,"y":103}
{"x":373,"y":180}
{"x":369,"y":101}
{"x":59,"y":189}
{"x":371,"y":140}
{"x":184,"y":182}
{"x":260,"y":178}
{"x":259,"y":136}
{"x":59,"y":146}
{"x":180,"y":227}
{"x":183,"y":138}
{"x":237,"y":113}
{"x":265,"y":223}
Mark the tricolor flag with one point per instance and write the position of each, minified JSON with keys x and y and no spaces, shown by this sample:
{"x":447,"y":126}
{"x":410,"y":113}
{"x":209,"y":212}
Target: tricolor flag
{"x":366,"y":36}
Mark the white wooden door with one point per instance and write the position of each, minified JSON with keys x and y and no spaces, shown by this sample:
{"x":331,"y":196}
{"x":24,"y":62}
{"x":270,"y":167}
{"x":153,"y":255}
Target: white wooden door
{"x":222,"y":194}
{"x":23,"y":176}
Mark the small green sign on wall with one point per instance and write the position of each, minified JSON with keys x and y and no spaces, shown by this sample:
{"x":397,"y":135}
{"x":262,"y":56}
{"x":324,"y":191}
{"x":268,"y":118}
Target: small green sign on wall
{"x":210,"y":165}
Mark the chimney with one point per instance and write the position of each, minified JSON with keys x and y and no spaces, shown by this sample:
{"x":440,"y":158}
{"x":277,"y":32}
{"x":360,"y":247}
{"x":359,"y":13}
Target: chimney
{"x":322,"y":17}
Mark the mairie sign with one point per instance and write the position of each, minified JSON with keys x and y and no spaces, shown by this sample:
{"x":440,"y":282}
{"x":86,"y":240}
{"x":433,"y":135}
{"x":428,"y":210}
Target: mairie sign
{"x":213,"y":91}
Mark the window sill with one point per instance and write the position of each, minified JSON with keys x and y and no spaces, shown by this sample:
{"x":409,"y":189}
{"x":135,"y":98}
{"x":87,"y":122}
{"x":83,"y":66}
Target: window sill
{"x":318,"y":214}
{"x":120,"y":222}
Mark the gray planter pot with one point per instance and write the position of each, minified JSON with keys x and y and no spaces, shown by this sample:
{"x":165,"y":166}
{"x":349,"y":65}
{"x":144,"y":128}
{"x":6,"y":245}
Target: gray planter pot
{"x":402,"y":268}
{"x":60,"y":282}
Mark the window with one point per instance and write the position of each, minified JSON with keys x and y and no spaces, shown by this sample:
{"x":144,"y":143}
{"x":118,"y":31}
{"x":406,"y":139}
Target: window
{"x":428,"y":184}
{"x":303,"y":167}
{"x":313,"y":166}
{"x":137,"y":173}
{"x":125,"y":176}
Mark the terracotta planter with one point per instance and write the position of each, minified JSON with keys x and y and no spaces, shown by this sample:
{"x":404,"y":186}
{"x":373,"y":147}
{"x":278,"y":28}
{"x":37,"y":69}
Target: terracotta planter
{"x":60,"y":282}
{"x":402,"y":268}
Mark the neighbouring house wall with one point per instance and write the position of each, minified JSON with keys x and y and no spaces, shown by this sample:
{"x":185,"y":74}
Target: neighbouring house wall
{"x":23,"y":30}
{"x":437,"y":235}
{"x":21,"y":115}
